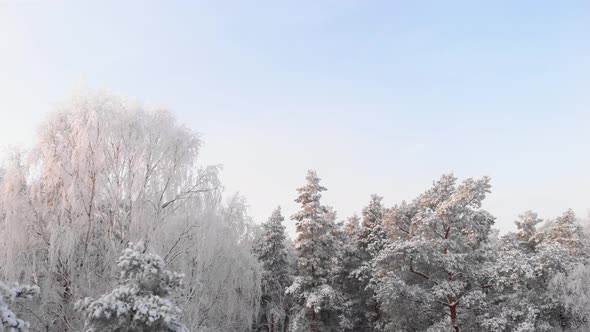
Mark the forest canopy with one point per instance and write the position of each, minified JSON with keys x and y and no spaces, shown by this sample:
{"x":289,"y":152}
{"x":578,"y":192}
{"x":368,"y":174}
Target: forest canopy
{"x":110,"y":223}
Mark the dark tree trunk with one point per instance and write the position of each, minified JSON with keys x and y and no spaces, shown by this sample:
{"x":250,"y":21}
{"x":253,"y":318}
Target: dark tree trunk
{"x":453,"y":309}
{"x":313,"y":320}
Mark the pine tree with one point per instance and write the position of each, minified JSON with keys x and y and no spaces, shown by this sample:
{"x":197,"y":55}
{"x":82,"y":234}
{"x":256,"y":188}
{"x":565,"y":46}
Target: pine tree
{"x":566,"y":231}
{"x":436,"y":276}
{"x":351,"y":226}
{"x":527,"y":229}
{"x":271,"y":251}
{"x":312,"y":288}
{"x":139,"y":304}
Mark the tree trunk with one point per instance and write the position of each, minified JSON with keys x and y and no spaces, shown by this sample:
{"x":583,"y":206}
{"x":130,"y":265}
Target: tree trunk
{"x":452,"y":304}
{"x":377,"y":316}
{"x":313,"y":320}
{"x":453,"y":309}
{"x":272,"y":324}
{"x":285,"y":326}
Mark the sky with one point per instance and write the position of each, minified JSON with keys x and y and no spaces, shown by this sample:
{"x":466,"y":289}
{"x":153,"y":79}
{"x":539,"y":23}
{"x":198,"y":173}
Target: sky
{"x":377,"y":96}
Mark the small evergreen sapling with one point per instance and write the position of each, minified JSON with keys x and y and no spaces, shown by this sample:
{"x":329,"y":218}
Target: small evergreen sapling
{"x":139,"y":303}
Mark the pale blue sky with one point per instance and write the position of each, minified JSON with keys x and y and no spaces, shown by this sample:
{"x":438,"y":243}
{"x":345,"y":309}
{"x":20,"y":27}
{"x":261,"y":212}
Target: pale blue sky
{"x":377,"y":96}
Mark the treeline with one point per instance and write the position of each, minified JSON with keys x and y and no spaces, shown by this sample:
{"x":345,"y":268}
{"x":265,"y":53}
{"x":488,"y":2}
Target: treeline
{"x":108,"y":224}
{"x":432,"y":264}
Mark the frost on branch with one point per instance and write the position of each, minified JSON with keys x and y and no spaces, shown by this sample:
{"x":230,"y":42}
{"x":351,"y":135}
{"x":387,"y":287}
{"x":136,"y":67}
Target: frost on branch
{"x":9,"y":294}
{"x":139,"y":303}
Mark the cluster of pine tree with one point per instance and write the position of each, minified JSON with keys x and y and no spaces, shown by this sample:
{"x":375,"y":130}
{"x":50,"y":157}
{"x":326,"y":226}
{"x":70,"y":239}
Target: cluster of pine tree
{"x":432,"y":264}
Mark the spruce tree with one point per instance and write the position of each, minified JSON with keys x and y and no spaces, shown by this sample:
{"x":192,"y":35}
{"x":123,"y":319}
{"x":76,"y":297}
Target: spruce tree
{"x":272,"y":252}
{"x":370,"y":241}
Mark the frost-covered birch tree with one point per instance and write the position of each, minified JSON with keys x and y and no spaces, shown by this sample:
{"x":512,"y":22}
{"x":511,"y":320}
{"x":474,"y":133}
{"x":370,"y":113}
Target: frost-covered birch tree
{"x":106,"y":170}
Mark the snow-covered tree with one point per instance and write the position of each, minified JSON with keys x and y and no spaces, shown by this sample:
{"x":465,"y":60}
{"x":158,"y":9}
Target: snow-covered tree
{"x":435,"y":276}
{"x":312,"y":289}
{"x":572,"y":290}
{"x":223,"y":276}
{"x":569,"y":276}
{"x":520,"y":298}
{"x":567,"y":231}
{"x":352,"y":226}
{"x":527,"y":229}
{"x":529,"y":263}
{"x":398,"y":220}
{"x":9,"y":322}
{"x":272,"y":252}
{"x":372,"y":235}
{"x":106,"y":170}
{"x":369,"y":241}
{"x":140,"y":303}
{"x":353,"y":307}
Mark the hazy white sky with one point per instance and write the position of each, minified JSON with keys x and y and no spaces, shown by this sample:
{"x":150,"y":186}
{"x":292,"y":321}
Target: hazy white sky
{"x":378,"y":97}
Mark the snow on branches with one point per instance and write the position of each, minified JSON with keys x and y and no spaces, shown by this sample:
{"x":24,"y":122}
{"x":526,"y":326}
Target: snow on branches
{"x":9,"y":294}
